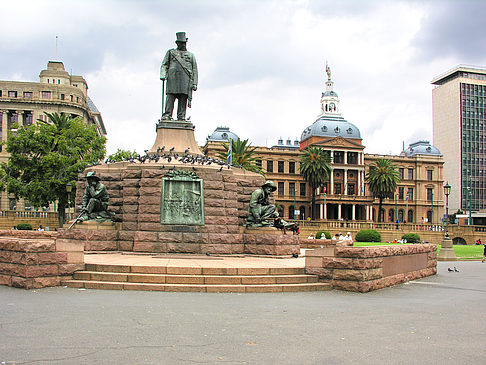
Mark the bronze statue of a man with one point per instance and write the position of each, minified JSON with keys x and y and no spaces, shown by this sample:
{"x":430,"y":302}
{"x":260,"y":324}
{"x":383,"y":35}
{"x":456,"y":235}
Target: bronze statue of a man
{"x":262,"y":213}
{"x":179,"y":68}
{"x":95,"y":199}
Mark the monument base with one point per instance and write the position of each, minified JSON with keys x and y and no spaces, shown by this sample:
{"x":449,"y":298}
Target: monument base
{"x":446,"y":252}
{"x":177,"y":134}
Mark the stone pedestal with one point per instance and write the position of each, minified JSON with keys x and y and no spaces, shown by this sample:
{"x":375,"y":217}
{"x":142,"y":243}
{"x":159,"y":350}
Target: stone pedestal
{"x":178,"y":134}
{"x":446,"y":252}
{"x":92,"y":225}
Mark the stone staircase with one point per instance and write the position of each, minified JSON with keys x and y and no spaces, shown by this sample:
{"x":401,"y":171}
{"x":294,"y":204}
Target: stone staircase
{"x":195,"y":279}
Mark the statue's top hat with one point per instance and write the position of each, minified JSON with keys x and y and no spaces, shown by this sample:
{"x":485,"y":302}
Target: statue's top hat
{"x":181,"y":37}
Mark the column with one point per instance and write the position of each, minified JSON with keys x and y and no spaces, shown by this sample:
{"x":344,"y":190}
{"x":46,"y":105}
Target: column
{"x":345,"y":187}
{"x":331,"y":184}
{"x":339,"y":211}
{"x":367,"y":208}
{"x":354,"y":212}
{"x":358,"y":188}
{"x":321,"y":208}
{"x":20,"y":117}
{"x":345,"y":158}
{"x":4,"y":124}
{"x":325,"y":210}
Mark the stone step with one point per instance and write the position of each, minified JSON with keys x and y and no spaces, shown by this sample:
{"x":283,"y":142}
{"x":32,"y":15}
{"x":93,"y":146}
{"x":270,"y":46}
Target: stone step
{"x":194,"y":279}
{"x":265,"y":288}
{"x":248,"y":271}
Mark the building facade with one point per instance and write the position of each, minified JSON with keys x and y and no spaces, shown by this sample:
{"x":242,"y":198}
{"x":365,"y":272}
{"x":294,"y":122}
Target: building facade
{"x":459,"y":117}
{"x":345,"y":196}
{"x":23,"y":103}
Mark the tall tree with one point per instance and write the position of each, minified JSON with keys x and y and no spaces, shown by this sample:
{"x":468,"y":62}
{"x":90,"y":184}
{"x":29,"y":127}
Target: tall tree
{"x":315,"y":167}
{"x":382,"y":179}
{"x":46,"y":156}
{"x":242,"y":155}
{"x":121,"y":155}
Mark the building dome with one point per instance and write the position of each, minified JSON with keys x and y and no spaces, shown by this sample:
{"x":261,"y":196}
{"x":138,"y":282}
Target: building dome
{"x":327,"y":126}
{"x":330,"y":123}
{"x":221,"y":134}
{"x":422,"y":148}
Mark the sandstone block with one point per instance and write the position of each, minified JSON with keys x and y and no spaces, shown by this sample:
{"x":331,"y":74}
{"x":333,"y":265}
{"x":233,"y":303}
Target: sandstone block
{"x":129,"y":191}
{"x":213,"y":185}
{"x":149,"y":209}
{"x":150,"y":199}
{"x":125,"y":245}
{"x":130,"y":226}
{"x":173,"y":237}
{"x":149,"y":226}
{"x":149,"y":218}
{"x":51,"y":258}
{"x":209,"y":211}
{"x":40,"y":270}
{"x":131,"y":174}
{"x":131,"y":183}
{"x":149,"y":174}
{"x":5,"y":280}
{"x":149,"y":190}
{"x":20,"y":282}
{"x":45,"y":282}
{"x":130,"y":200}
{"x":144,"y":246}
{"x":183,"y":247}
{"x":130,"y":209}
{"x":69,"y":269}
{"x":66,"y":245}
{"x":145,"y":236}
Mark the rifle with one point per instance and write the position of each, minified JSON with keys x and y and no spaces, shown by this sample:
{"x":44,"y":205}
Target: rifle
{"x":77,"y":219}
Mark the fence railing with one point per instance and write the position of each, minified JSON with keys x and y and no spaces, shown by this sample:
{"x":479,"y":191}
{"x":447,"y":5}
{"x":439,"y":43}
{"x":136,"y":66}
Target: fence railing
{"x":27,"y":214}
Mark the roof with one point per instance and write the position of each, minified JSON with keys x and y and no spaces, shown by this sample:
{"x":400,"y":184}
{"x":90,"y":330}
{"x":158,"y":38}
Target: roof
{"x":221,"y":134}
{"x":422,"y":148}
{"x":331,"y":126}
{"x":438,"y":80}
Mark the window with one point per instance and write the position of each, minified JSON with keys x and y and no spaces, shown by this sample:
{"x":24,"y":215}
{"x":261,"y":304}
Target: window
{"x":291,"y":189}
{"x":351,"y":189}
{"x":269,"y":166}
{"x":401,"y":191}
{"x":71,"y":97}
{"x":46,"y":94}
{"x":391,"y":215}
{"x":27,"y":94}
{"x":338,"y":157}
{"x":401,"y":173}
{"x":291,"y":167}
{"x":429,"y":174}
{"x":430,"y":194}
{"x":337,"y":188}
{"x":280,"y":166}
{"x":291,"y":212}
{"x":302,"y":189}
{"x":352,"y":158}
{"x":28,"y":119}
{"x":0,"y":92}
{"x":410,"y":216}
{"x":400,"y":215}
{"x":62,"y":97}
{"x":280,"y":189}
{"x":12,"y":94}
{"x":429,"y":216}
{"x":12,"y":204}
{"x":258,"y":163}
{"x":410,"y":194}
{"x":410,"y":174}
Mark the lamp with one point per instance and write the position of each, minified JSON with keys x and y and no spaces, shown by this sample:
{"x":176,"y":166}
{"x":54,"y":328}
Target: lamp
{"x":446,"y":252}
{"x":69,"y":188}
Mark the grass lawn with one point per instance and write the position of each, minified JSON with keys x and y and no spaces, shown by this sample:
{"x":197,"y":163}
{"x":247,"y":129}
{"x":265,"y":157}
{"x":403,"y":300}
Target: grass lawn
{"x":463,"y":252}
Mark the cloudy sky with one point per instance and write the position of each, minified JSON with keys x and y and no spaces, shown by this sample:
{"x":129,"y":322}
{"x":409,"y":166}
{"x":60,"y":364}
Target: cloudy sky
{"x":261,"y":62}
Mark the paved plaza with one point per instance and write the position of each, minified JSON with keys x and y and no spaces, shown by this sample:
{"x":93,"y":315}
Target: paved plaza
{"x":436,"y":320}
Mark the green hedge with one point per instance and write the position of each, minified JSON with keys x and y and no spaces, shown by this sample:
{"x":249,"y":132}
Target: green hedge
{"x":24,"y":227}
{"x":411,"y":237}
{"x":320,"y":233}
{"x":368,"y":235}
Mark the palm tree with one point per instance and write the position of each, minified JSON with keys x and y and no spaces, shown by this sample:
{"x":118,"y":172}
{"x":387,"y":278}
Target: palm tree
{"x":242,"y":155}
{"x":383,"y":179}
{"x":315,"y":167}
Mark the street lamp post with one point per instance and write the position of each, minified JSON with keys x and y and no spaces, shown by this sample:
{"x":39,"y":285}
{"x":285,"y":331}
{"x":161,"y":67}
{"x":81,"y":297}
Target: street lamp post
{"x":446,"y":252}
{"x":69,"y":188}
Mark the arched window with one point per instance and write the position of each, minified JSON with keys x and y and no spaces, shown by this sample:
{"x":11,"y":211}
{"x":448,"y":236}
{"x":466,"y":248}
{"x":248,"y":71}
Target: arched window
{"x":429,"y":216}
{"x":281,"y":211}
{"x":291,"y":212}
{"x":410,"y":216}
{"x":391,"y":215}
{"x":400,"y":215}
{"x":302,"y":212}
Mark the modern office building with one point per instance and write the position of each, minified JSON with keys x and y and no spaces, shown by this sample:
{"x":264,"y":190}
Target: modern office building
{"x":25,"y":102}
{"x":459,"y":117}
{"x":419,"y":196}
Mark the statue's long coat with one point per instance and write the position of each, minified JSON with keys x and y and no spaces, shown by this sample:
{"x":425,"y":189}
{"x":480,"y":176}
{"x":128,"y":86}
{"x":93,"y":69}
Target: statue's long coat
{"x":178,"y":81}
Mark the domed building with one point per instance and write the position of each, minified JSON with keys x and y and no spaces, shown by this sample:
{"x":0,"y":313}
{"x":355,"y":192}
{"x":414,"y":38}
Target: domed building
{"x":345,"y":200}
{"x":343,"y":195}
{"x":221,"y":134}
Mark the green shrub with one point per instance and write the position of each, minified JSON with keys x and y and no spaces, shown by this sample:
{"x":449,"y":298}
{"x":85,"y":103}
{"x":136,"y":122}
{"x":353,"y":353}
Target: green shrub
{"x":320,"y":233}
{"x":24,"y":227}
{"x":368,"y":235}
{"x":411,"y":237}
